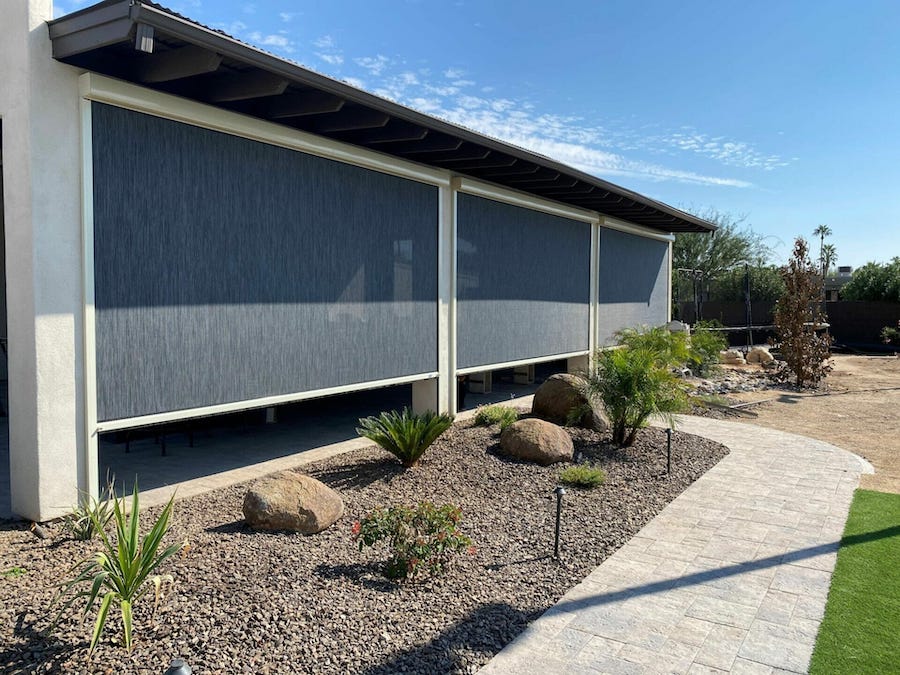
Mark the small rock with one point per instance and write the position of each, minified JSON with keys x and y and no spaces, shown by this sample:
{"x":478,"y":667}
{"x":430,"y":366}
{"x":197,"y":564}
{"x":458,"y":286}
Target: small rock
{"x":760,"y":355}
{"x":537,"y":441}
{"x":291,"y":501}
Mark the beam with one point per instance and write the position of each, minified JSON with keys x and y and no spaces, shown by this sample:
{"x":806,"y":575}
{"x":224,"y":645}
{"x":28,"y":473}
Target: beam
{"x":499,"y":163}
{"x":304,"y":103}
{"x":395,"y":130}
{"x":176,"y":64}
{"x":243,"y":86}
{"x":349,"y":119}
{"x":524,"y":169}
{"x":432,"y":143}
{"x":469,"y":154}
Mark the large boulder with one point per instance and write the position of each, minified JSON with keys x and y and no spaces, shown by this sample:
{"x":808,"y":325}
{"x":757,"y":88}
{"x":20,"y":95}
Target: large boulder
{"x":732,"y":357}
{"x":562,"y":393}
{"x":291,"y":501}
{"x":535,"y":440}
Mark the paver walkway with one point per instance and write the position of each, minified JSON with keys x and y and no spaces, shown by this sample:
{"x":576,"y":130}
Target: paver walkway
{"x":732,"y":576}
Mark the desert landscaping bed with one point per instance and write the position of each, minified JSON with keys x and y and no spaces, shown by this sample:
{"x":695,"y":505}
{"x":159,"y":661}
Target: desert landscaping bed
{"x":253,"y":602}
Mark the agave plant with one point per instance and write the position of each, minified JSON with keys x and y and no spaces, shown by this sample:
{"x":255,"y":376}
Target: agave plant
{"x":405,"y":435}
{"x":82,"y":523}
{"x":123,"y":570}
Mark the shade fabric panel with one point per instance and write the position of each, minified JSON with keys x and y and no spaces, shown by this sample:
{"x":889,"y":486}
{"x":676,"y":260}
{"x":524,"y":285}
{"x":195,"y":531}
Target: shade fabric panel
{"x":523,"y":283}
{"x":633,"y":279}
{"x":228,"y":270}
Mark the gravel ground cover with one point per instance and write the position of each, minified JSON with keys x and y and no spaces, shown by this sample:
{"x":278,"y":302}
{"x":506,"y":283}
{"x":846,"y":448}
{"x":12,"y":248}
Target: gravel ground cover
{"x":250,"y":602}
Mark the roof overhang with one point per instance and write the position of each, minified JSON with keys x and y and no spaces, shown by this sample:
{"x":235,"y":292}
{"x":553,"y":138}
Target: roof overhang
{"x":144,"y":43}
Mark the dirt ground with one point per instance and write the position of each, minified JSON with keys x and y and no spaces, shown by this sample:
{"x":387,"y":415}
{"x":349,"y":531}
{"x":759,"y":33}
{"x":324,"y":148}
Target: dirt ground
{"x":857,"y":409}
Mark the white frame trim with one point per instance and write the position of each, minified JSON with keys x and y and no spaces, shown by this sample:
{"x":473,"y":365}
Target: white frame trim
{"x":594,"y":314}
{"x":520,"y":362}
{"x":507,"y":196}
{"x":140,"y":99}
{"x":250,"y":404}
{"x":631,"y":228}
{"x":91,"y":445}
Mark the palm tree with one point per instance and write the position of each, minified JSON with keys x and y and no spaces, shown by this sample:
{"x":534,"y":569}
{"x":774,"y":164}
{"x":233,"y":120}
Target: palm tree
{"x":821,"y":232}
{"x":829,"y":256}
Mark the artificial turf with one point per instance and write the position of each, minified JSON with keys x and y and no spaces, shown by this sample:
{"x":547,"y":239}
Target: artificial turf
{"x":861,"y":629}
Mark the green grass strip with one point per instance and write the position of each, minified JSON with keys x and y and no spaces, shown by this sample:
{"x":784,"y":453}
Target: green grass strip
{"x":861,"y":629}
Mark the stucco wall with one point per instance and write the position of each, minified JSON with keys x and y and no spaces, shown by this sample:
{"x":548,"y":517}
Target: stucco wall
{"x":42,"y":202}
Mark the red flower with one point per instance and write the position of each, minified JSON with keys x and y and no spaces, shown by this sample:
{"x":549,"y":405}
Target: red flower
{"x":356,"y":528}
{"x":471,"y":550}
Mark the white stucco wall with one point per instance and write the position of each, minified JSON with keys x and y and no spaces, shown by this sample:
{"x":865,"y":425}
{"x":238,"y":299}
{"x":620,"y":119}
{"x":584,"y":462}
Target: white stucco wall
{"x":42,"y":199}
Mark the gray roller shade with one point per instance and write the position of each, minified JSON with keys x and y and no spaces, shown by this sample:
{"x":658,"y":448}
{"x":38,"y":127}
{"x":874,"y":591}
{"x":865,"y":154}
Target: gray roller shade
{"x":229,"y":270}
{"x":633,"y":283}
{"x":523,"y":283}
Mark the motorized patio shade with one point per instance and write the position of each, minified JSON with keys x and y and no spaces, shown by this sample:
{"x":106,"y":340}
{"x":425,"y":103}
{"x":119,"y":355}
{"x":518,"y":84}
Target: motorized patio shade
{"x":229,"y":270}
{"x":523,"y":283}
{"x":633,"y":283}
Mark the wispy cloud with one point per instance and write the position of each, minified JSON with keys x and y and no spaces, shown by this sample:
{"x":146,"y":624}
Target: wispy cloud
{"x":374,"y":64}
{"x":599,"y":147}
{"x":287,"y":17}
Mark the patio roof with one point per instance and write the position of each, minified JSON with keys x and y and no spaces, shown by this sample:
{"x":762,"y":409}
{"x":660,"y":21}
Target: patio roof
{"x":145,"y":43}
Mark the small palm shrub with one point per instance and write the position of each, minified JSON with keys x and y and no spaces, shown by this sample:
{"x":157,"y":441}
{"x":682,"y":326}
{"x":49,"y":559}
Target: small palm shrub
{"x":422,"y":539}
{"x":634,"y":385}
{"x":669,"y":349}
{"x":705,"y":346}
{"x":122,"y":570}
{"x":496,"y":414}
{"x":83,"y":521}
{"x":583,"y":476}
{"x":405,"y":434}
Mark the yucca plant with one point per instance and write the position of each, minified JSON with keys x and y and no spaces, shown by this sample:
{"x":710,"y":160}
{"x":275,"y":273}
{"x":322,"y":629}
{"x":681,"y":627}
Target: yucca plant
{"x":123,"y":570}
{"x":405,"y":435}
{"x":83,"y":521}
{"x":634,"y":386}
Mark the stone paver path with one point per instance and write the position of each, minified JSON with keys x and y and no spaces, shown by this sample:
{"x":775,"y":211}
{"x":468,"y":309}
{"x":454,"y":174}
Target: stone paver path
{"x":732,"y":576}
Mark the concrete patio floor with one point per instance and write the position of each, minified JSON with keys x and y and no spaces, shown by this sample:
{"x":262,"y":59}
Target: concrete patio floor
{"x":732,"y":576}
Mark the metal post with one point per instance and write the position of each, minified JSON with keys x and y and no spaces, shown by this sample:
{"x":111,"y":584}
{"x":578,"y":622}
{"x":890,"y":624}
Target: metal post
{"x":560,"y":491}
{"x":747,"y":303}
{"x":668,"y":451}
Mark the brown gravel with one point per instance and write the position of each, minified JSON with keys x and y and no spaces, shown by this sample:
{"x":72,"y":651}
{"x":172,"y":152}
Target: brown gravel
{"x":247,"y":602}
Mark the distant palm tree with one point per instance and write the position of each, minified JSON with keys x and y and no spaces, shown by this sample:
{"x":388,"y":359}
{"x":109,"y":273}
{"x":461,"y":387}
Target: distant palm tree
{"x":821,"y":232}
{"x":829,"y":257}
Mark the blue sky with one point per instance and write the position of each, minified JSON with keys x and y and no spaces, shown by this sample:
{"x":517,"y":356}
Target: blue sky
{"x":785,"y":112}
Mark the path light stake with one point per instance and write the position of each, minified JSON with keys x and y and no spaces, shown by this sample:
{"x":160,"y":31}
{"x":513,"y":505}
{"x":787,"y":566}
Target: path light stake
{"x":179,"y":667}
{"x":668,"y":451}
{"x":559,"y":491}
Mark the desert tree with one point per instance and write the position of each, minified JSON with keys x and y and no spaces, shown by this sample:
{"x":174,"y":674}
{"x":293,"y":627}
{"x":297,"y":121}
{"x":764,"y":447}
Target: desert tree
{"x":798,"y":318}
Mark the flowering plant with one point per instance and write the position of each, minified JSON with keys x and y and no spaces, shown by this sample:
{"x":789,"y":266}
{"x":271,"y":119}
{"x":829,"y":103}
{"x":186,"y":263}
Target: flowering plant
{"x":422,"y":539}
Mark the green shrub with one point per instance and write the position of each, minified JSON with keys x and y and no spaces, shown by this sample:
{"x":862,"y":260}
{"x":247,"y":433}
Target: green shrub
{"x":496,"y":414}
{"x":123,"y":570}
{"x":405,"y":435}
{"x":890,"y":335}
{"x":705,"y":346}
{"x":83,"y":521}
{"x":583,"y":476}
{"x":634,"y":385}
{"x":422,"y":540}
{"x":668,"y":349}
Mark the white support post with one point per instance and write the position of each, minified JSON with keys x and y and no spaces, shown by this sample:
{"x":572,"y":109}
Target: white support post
{"x":671,"y":251}
{"x":447,"y":383}
{"x":595,"y":291}
{"x":39,"y":107}
{"x":425,"y":395}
